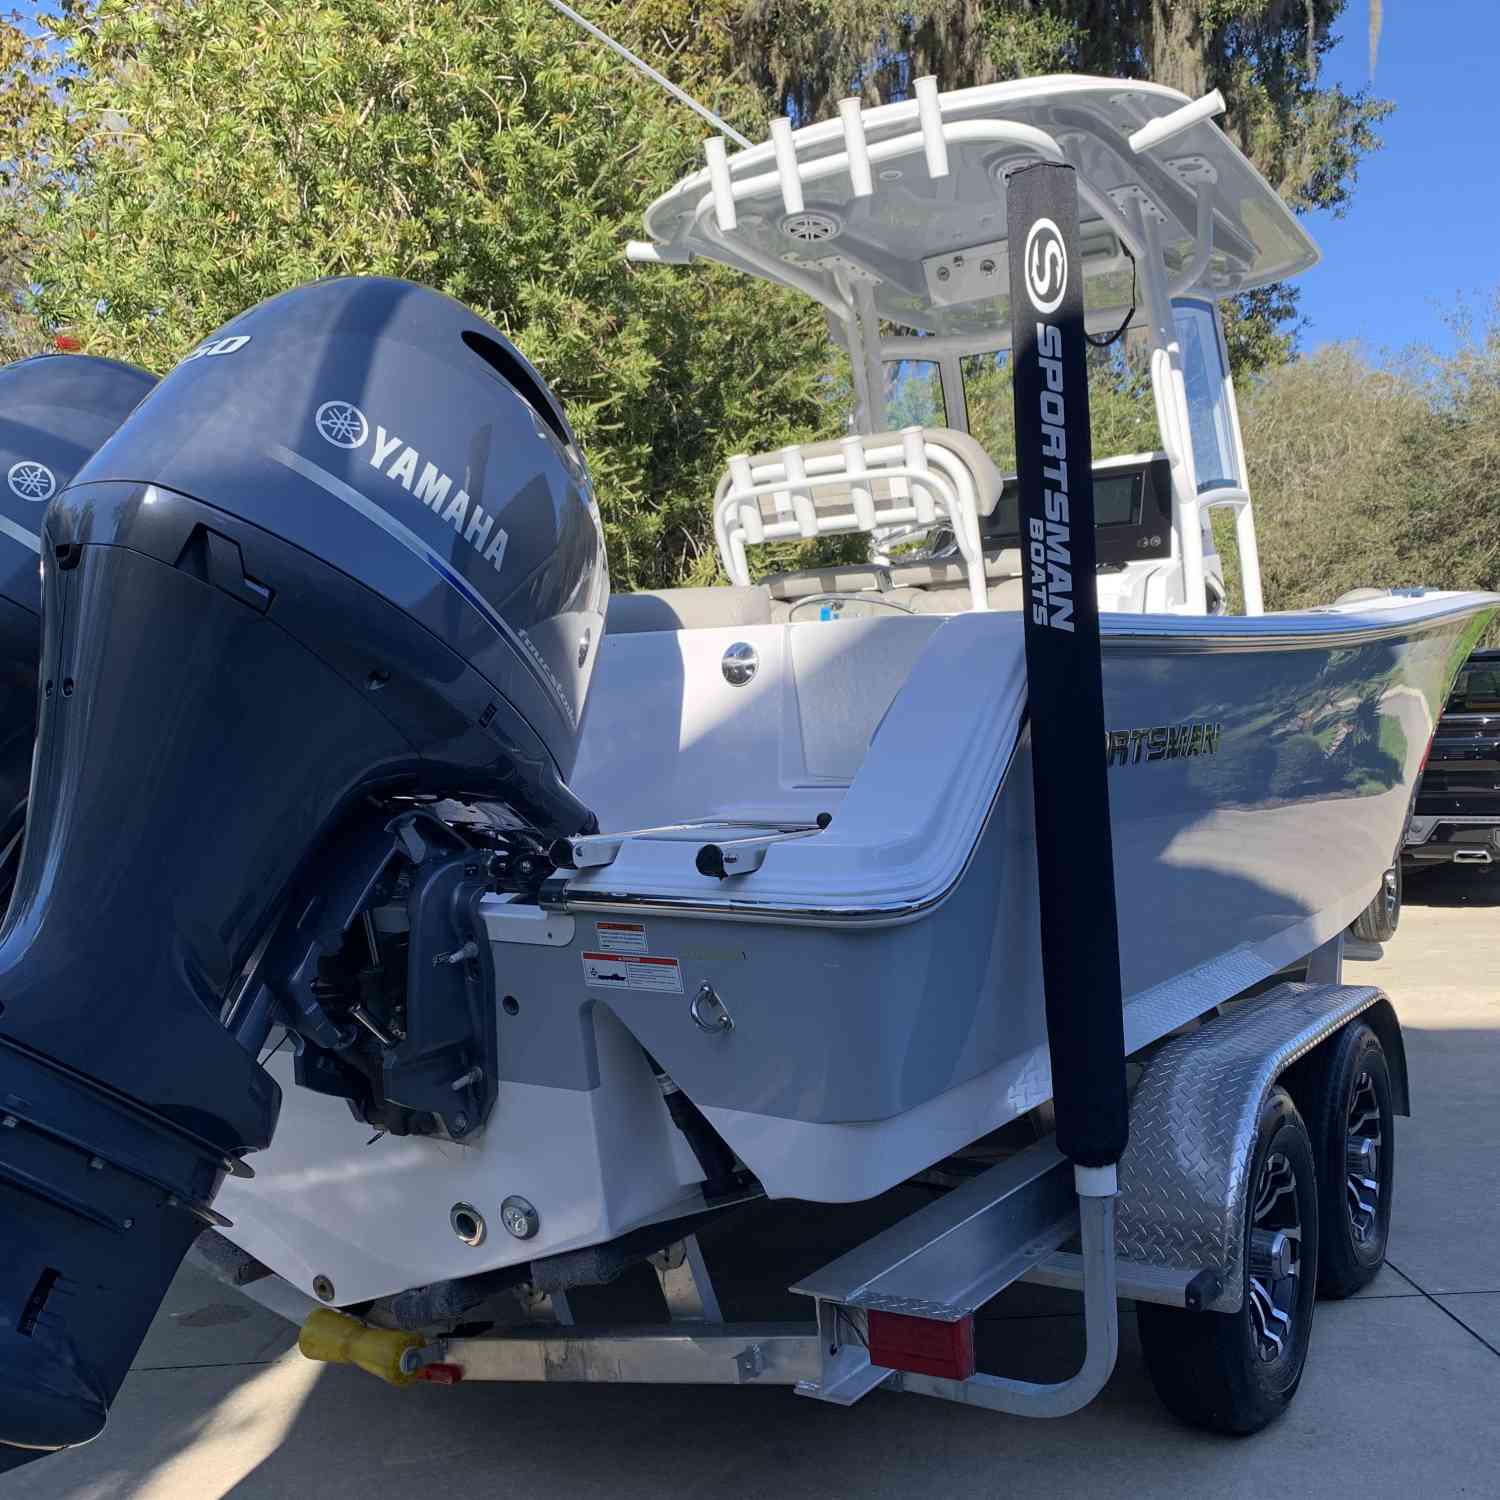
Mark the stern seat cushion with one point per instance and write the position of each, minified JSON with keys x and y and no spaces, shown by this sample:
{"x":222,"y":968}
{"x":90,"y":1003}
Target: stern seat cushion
{"x":920,"y":573}
{"x":929,"y":592}
{"x":687,"y":609}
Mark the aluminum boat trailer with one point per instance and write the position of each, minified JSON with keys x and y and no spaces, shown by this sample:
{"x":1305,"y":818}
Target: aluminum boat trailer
{"x":1174,"y":1229}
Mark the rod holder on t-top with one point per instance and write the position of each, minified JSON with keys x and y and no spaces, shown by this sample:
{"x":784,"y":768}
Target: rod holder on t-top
{"x":1080,"y":937}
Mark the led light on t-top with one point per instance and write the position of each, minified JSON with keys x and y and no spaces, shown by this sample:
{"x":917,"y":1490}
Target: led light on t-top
{"x":590,"y":918}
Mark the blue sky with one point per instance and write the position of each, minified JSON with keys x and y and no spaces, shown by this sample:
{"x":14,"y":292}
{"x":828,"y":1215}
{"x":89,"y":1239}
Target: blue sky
{"x":1424,"y":227}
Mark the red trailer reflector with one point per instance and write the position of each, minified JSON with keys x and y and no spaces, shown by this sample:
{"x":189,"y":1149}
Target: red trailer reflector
{"x":923,"y":1346}
{"x":441,"y":1374}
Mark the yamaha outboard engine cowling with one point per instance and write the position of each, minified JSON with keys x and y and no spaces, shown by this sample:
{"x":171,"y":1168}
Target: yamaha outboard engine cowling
{"x":346,"y":559}
{"x":55,"y":410}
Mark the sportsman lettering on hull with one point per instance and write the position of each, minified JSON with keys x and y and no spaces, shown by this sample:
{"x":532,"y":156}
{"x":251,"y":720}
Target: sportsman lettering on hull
{"x":1128,"y":747}
{"x":1050,"y":545}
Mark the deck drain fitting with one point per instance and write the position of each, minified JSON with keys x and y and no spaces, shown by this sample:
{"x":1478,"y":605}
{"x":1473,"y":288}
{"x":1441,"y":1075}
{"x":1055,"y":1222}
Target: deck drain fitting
{"x":468,"y":1223}
{"x":322,"y":1289}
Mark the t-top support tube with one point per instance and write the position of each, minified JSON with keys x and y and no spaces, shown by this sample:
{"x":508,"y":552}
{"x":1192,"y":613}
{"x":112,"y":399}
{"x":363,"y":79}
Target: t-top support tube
{"x":1169,"y":392}
{"x":867,"y":324}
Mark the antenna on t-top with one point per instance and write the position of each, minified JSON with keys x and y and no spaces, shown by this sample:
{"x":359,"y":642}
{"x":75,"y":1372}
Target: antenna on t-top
{"x":650,"y":72}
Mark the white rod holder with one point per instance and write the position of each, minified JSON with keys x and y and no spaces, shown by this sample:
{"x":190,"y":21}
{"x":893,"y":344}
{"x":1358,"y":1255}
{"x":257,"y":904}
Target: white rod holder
{"x":786,"y":164}
{"x":1154,"y":132}
{"x":803,"y":507}
{"x":930,"y":117}
{"x":860,"y":176}
{"x":717,"y":156}
{"x":751,"y":522}
{"x":914,"y":454}
{"x":644,"y":253}
{"x":859,"y":490}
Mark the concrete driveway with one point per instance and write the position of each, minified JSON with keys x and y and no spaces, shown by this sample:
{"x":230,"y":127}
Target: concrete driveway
{"x":1401,"y":1396}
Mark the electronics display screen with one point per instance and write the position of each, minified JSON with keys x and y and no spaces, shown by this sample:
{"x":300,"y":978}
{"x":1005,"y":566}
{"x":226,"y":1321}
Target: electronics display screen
{"x":1117,"y":499}
{"x":1132,"y":513}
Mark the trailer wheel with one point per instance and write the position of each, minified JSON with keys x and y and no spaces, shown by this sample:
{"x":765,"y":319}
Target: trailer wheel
{"x":1235,"y":1372}
{"x":1354,"y":1127}
{"x":1378,"y":922}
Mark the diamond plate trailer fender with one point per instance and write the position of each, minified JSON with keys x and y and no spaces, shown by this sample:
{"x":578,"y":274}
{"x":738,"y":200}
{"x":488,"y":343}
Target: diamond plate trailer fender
{"x":1184,"y":1176}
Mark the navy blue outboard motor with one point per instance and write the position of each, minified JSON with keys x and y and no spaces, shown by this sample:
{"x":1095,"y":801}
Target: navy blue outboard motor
{"x":55,"y":410}
{"x":346,"y":562}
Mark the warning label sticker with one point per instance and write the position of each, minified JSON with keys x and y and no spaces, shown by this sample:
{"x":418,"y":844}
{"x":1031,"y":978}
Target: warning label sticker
{"x":622,"y":937}
{"x":628,"y":971}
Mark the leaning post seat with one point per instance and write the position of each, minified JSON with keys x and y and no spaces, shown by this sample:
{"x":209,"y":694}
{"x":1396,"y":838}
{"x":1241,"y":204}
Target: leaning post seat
{"x":860,"y":483}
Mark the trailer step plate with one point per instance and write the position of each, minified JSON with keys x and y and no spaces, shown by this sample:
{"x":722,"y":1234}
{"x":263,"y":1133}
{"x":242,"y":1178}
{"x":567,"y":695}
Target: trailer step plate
{"x":951,"y":1257}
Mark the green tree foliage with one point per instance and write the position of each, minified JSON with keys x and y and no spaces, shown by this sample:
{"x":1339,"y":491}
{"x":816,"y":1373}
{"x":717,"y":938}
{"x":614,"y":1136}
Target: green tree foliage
{"x":1369,"y":475}
{"x":166,"y":165}
{"x":171,"y":164}
{"x":1307,"y":137}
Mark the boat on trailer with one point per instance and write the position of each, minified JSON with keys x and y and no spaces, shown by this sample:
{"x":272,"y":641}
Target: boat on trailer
{"x":569,"y":926}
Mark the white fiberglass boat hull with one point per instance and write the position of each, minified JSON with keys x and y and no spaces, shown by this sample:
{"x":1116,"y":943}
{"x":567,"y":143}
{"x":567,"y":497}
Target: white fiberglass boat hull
{"x":883,"y":975}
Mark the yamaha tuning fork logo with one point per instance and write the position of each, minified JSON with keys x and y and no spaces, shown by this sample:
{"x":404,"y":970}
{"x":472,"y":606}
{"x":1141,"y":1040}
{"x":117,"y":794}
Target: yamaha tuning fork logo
{"x":31,"y":480}
{"x":341,"y":424}
{"x":1046,"y":262}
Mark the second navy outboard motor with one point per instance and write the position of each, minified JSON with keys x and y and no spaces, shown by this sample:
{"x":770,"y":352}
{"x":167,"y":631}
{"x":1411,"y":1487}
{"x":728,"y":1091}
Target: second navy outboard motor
{"x":55,"y":410}
{"x":345,"y":562}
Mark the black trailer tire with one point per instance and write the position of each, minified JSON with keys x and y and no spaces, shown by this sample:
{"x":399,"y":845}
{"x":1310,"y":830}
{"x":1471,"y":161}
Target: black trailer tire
{"x":1351,"y":1102}
{"x":1235,"y":1372}
{"x":1378,"y":922}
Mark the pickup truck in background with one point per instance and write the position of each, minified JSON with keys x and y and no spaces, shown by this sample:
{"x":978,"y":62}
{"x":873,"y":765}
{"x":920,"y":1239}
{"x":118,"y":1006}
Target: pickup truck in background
{"x":1456,"y":818}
